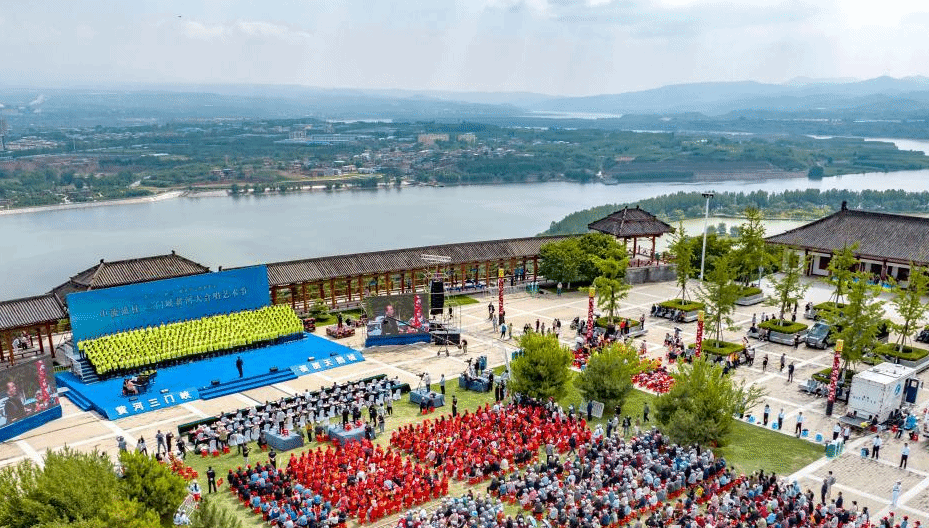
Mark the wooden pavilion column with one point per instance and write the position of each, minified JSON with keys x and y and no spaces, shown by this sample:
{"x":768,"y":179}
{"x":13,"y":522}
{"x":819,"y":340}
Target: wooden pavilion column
{"x":38,"y":332}
{"x":402,"y":282}
{"x":525,"y":262}
{"x":348,"y":287}
{"x":361,"y":288}
{"x":322,"y":294}
{"x":653,"y":248}
{"x":305,"y":301}
{"x":387,"y":282}
{"x":332,"y":290}
{"x":9,"y":345}
{"x":293,"y":298}
{"x":273,"y":295}
{"x":635,"y":246}
{"x":535,"y":268}
{"x":51,"y":345}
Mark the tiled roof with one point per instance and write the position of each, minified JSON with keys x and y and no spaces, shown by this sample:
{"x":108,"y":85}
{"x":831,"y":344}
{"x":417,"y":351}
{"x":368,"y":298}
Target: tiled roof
{"x":29,"y":311}
{"x":898,"y":238}
{"x":131,"y":271}
{"x":314,"y":269}
{"x":628,"y":223}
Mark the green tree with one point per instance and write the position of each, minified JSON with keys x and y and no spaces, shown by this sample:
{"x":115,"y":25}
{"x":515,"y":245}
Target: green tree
{"x":680,"y":252}
{"x":611,"y":285}
{"x":211,"y":514}
{"x":859,"y":322}
{"x":909,"y":304}
{"x":719,"y":292}
{"x":594,"y":245}
{"x":788,"y":285}
{"x":152,"y":484}
{"x":840,"y":271}
{"x":752,"y":253}
{"x":561,"y":261}
{"x":543,"y":371}
{"x":608,"y":376}
{"x":702,"y":403}
{"x":69,"y":488}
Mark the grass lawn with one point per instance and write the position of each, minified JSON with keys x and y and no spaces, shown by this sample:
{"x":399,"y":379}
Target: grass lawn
{"x":460,"y":300}
{"x":751,"y":447}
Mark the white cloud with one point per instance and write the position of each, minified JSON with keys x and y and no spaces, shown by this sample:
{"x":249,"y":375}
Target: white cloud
{"x":200,"y":31}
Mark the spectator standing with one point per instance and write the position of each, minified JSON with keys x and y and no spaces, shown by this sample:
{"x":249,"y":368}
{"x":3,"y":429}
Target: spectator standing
{"x":245,"y":451}
{"x":904,"y":455}
{"x":799,"y":427}
{"x":790,"y":372}
{"x":210,"y":480}
{"x":876,"y":447}
{"x":442,"y":384}
{"x":160,"y":442}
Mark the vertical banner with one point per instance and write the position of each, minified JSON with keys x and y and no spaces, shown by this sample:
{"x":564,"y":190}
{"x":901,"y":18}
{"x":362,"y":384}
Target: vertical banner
{"x":590,"y":313}
{"x":500,"y":292}
{"x":698,"y":346}
{"x":834,"y":382}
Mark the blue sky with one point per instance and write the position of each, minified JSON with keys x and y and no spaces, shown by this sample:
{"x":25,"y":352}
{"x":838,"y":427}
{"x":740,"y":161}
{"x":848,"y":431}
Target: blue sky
{"x":562,"y":47}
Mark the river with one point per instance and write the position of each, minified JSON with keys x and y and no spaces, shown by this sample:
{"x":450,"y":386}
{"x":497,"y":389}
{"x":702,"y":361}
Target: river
{"x":42,"y":249}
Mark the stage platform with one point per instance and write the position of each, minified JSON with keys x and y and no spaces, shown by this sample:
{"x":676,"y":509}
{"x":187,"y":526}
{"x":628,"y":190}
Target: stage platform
{"x":194,"y":381}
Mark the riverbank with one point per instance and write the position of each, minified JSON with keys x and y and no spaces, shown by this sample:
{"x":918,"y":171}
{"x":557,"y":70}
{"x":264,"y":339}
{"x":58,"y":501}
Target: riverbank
{"x":170,"y":195}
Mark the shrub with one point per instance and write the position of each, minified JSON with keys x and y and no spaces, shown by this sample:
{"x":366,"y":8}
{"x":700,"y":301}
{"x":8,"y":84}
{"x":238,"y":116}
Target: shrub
{"x":784,"y":327}
{"x":749,"y":291}
{"x":720,"y":348}
{"x":909,"y":353}
{"x":680,"y":304}
{"x":829,"y":305}
{"x":602,"y":322}
{"x":825,"y":376}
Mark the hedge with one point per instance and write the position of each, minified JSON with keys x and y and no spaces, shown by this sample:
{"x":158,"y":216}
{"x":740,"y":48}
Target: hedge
{"x":909,"y":353}
{"x":602,"y":322}
{"x":749,"y":291}
{"x":825,"y":376}
{"x":720,"y":348}
{"x":784,"y":327}
{"x":829,"y":305}
{"x":680,"y":304}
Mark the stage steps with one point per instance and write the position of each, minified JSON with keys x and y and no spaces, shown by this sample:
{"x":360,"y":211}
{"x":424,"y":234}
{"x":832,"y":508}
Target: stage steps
{"x":87,"y":372}
{"x":78,"y":399}
{"x":243,"y":384}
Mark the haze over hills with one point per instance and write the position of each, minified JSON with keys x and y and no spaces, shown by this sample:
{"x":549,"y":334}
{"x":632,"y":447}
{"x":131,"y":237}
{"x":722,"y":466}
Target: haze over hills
{"x":878,"y":98}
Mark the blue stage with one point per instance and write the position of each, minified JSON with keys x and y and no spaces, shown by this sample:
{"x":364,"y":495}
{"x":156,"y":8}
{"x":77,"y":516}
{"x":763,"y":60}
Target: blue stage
{"x":193,"y":381}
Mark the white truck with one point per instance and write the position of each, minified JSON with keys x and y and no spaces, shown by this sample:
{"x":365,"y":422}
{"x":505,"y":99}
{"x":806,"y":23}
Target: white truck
{"x":879,"y":390}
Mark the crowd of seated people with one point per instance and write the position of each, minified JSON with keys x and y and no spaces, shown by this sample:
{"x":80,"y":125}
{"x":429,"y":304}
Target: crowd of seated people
{"x":297,"y":412}
{"x":765,"y":500}
{"x":460,"y":512}
{"x":473,"y":446}
{"x":611,"y":480}
{"x":366,"y":481}
{"x":174,"y":342}
{"x":283,"y":502}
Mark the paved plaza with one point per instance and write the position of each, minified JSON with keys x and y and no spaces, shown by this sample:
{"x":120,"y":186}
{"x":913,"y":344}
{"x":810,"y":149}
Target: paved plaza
{"x":866,"y":481}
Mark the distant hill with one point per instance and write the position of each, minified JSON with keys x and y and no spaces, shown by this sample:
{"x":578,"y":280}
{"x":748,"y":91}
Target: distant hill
{"x":717,"y":98}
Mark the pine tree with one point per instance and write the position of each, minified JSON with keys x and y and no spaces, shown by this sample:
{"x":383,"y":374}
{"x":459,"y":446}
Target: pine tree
{"x":608,"y":375}
{"x":611,"y":284}
{"x":859,"y":322}
{"x":788,"y":287}
{"x":719,"y":293}
{"x":909,"y":304}
{"x":840,"y":271}
{"x":543,"y":370}
{"x":681,"y":254}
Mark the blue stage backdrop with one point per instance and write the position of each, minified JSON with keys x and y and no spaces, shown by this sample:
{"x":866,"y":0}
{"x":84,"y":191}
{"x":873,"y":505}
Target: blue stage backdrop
{"x":112,"y":310}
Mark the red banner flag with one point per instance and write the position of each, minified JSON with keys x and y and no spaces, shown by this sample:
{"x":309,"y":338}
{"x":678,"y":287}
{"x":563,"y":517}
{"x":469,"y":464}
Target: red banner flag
{"x":590,"y":314}
{"x":698,"y":346}
{"x":836,"y":365}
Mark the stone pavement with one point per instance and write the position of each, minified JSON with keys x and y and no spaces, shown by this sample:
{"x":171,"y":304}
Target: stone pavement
{"x":866,"y":481}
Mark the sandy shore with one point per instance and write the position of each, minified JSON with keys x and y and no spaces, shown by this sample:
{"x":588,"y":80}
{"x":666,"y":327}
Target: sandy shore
{"x":170,"y":195}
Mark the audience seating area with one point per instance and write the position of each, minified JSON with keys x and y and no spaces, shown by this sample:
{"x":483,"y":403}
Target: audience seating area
{"x":294,"y":413}
{"x":128,"y":351}
{"x":473,"y":446}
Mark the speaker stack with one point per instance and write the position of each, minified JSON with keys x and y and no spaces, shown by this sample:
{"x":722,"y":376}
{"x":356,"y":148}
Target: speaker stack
{"x":436,"y":298}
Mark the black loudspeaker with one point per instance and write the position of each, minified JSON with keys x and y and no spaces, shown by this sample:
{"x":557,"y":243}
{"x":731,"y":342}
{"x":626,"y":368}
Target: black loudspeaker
{"x":272,"y":369}
{"x":214,"y":382}
{"x":436,"y":298}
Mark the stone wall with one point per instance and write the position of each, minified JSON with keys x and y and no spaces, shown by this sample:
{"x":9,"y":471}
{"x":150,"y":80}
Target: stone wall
{"x":661,"y":273}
